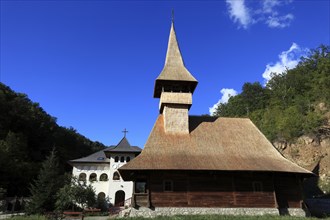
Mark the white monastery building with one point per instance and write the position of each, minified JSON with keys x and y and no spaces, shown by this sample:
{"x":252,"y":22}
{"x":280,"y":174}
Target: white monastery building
{"x":100,"y":169}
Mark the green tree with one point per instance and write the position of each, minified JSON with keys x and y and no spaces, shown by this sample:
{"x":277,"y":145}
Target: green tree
{"x":27,"y":135}
{"x":287,"y":106}
{"x":75,"y":194}
{"x":45,"y":187}
{"x":254,"y":96}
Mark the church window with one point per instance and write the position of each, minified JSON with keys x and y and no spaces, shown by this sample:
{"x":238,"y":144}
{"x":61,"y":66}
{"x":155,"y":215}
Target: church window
{"x":140,"y":187}
{"x":168,"y":186}
{"x":101,"y":196}
{"x":116,"y":159}
{"x":122,"y":159}
{"x":104,"y":177}
{"x":257,"y":186}
{"x":116,"y":176}
{"x":128,"y":159}
{"x":93,"y":177}
{"x":82,"y":177}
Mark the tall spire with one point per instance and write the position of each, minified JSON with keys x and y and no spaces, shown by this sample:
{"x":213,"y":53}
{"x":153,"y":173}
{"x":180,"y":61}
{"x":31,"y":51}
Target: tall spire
{"x":173,"y":55}
{"x":174,"y":68}
{"x":175,"y":86}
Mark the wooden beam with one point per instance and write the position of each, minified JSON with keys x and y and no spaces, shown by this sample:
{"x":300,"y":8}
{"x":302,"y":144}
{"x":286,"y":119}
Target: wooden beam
{"x":233,"y":188}
{"x":274,"y":193}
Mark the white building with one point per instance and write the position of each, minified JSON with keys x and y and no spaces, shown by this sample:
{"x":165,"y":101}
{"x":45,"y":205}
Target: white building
{"x":100,"y":169}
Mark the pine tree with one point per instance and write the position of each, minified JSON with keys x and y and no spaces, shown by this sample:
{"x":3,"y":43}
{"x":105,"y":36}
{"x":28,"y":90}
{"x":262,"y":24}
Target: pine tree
{"x":75,"y":194}
{"x":44,"y":189}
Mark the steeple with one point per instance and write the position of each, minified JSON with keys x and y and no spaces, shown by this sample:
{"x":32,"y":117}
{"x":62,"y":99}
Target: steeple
{"x":174,"y":73}
{"x":175,"y":86}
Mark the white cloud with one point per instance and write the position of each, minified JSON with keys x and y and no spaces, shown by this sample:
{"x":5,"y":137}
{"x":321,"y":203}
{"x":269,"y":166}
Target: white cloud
{"x":226,"y":94}
{"x":268,"y":5}
{"x":287,"y":60}
{"x":266,"y":12}
{"x":239,"y":13}
{"x":279,"y":22}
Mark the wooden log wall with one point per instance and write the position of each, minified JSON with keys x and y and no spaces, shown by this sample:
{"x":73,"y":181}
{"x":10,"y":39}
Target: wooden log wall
{"x":212,"y":189}
{"x":288,"y":190}
{"x":246,"y":197}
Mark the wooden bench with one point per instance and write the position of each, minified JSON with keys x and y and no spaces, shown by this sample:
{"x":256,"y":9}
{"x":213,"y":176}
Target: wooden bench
{"x":92,"y":211}
{"x":73,"y":215}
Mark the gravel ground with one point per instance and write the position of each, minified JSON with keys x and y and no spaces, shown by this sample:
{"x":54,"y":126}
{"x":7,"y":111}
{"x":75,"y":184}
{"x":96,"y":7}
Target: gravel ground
{"x":96,"y":218}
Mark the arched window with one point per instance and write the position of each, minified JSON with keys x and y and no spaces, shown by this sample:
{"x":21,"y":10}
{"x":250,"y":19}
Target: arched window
{"x":82,"y":177}
{"x":104,"y":177}
{"x":128,"y":159}
{"x":116,"y":176}
{"x":116,"y":159}
{"x":122,"y":159}
{"x":101,"y":196}
{"x":93,"y":177}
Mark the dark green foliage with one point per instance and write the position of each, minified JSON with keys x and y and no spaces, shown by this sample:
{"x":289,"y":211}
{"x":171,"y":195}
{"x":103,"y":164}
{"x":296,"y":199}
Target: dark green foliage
{"x":287,"y":107}
{"x":252,"y":98}
{"x":102,"y":203}
{"x":45,"y":187}
{"x":75,"y":194}
{"x":27,"y":136}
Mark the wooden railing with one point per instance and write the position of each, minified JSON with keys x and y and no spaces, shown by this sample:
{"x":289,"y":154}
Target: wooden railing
{"x":120,"y":206}
{"x":127,"y":202}
{"x":141,"y":199}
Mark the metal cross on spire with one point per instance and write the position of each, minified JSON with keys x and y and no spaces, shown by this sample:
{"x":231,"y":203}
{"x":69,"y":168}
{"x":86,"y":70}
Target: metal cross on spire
{"x":125,"y":131}
{"x":172,"y":15}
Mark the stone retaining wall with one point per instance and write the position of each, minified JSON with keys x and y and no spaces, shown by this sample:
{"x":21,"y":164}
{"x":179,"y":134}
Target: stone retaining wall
{"x":168,"y":211}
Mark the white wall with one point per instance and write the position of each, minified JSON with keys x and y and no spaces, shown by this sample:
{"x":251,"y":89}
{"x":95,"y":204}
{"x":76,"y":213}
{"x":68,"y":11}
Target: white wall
{"x":109,"y":187}
{"x":116,"y":185}
{"x":98,"y":169}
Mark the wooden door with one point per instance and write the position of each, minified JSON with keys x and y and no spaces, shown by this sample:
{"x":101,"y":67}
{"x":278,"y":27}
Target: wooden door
{"x":120,"y":198}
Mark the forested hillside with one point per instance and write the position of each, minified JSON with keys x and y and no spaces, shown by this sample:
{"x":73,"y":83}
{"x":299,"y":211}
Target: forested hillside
{"x":293,"y":111}
{"x":291,"y":104}
{"x":27,"y":135}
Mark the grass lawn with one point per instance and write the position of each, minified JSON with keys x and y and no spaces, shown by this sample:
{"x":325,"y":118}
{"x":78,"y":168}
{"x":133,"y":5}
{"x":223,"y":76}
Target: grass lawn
{"x":32,"y":217}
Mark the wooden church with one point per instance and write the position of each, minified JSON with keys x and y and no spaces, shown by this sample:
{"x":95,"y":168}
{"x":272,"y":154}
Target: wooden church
{"x":200,"y":161}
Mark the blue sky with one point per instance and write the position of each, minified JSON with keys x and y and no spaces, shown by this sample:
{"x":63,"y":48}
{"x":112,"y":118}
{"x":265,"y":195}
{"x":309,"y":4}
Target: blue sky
{"x":92,"y":64}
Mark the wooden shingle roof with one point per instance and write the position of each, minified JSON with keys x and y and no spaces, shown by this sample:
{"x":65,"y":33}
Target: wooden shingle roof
{"x":215,"y":144}
{"x":174,"y":69}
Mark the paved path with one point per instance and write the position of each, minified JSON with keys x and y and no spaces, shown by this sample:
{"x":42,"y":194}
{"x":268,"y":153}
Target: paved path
{"x":6,"y":216}
{"x":97,"y":218}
